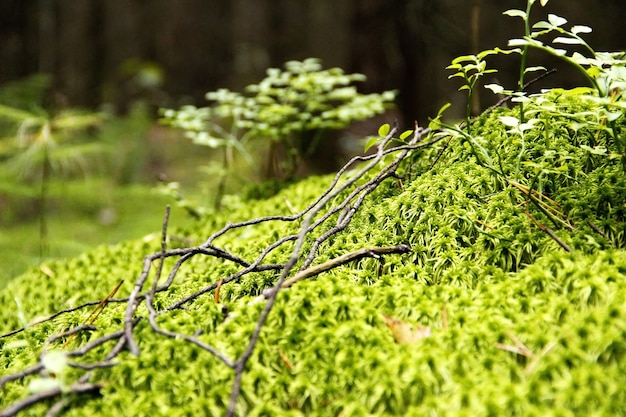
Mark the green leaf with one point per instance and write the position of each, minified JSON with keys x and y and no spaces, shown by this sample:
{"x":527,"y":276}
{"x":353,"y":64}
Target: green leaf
{"x":507,"y":51}
{"x":40,"y":385}
{"x":495,"y":88}
{"x":509,"y":121}
{"x":528,"y":125}
{"x":580,"y":29}
{"x":435,"y":123}
{"x":596,"y":150}
{"x":384,"y":130}
{"x":556,"y":20}
{"x":568,"y":41}
{"x":20,"y":313}
{"x":464,"y":58}
{"x":534,"y":69}
{"x":372,"y":141}
{"x":574,"y":91}
{"x":521,"y":99}
{"x":443,"y":109}
{"x":15,"y":344}
{"x":515,"y":13}
{"x":542,"y":25}
{"x":458,"y":74}
{"x":518,"y":42}
{"x":55,"y":361}
{"x":406,"y":134}
{"x":613,"y":116}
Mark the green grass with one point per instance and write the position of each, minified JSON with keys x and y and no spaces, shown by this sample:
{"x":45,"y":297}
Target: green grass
{"x":116,"y":202}
{"x":84,"y":214}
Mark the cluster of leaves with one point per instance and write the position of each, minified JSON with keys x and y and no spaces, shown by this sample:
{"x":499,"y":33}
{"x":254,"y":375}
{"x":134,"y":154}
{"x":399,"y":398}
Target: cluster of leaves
{"x":293,"y":107}
{"x":604,"y":71}
{"x":489,"y":214}
{"x":555,"y":138}
{"x":37,"y":143}
{"x":301,"y":98}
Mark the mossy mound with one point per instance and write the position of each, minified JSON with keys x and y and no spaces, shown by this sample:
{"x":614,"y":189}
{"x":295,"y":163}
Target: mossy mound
{"x":518,"y":325}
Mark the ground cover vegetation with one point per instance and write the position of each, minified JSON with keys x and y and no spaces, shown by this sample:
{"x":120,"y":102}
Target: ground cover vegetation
{"x":292,"y":109}
{"x":71,"y":180}
{"x":470,"y":269}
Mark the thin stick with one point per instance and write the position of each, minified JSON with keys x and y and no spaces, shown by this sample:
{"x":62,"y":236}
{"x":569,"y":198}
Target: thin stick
{"x":312,"y":271}
{"x":350,"y":191}
{"x":550,"y":233}
{"x":96,"y":312}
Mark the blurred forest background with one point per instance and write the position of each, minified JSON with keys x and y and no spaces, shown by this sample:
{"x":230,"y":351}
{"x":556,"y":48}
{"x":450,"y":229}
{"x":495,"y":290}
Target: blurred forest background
{"x":129,"y":58}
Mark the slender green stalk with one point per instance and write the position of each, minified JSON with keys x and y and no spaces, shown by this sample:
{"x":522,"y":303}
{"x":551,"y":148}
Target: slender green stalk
{"x":522,"y":68}
{"x":43,"y":205}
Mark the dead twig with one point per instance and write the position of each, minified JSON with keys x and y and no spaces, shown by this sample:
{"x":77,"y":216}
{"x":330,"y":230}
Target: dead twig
{"x":355,"y":199}
{"x":325,"y":217}
{"x":96,"y":312}
{"x":312,"y":271}
{"x":78,"y":388}
{"x":522,"y":350}
{"x":519,"y":348}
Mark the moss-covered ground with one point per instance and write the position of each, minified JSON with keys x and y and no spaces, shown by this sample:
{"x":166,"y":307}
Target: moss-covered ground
{"x":519,"y":326}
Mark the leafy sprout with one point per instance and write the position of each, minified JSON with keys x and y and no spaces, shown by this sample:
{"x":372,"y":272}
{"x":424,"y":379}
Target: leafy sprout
{"x":293,"y":107}
{"x":39,"y":143}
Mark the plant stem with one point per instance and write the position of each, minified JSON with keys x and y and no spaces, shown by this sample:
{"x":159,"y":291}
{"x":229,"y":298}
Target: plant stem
{"x":522,"y":68}
{"x":43,"y":203}
{"x":221,"y":185}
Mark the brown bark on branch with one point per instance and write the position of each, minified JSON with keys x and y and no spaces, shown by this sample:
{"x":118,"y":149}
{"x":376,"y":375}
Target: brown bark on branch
{"x":312,"y":271}
{"x":324,"y":218}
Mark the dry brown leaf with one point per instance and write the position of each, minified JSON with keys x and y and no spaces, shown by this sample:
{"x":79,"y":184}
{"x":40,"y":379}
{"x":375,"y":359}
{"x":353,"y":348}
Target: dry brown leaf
{"x":406,"y":333}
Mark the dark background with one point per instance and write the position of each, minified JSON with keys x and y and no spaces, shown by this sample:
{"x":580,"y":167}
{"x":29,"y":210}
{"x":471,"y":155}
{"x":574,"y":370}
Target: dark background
{"x":95,"y":48}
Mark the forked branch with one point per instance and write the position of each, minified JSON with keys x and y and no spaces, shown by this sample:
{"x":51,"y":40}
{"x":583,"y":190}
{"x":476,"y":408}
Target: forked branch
{"x":324,"y":218}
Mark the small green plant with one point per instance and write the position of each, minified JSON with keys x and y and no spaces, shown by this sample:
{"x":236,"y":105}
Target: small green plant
{"x":543,"y":116}
{"x":605,"y":73}
{"x":525,"y":15}
{"x":383,"y":131}
{"x":290,"y":108}
{"x":46,"y":142}
{"x":471,"y":68}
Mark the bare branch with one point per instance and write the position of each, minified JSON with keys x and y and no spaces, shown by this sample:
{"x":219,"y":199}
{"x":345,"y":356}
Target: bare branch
{"x":312,"y":271}
{"x":330,"y":213}
{"x":78,"y":388}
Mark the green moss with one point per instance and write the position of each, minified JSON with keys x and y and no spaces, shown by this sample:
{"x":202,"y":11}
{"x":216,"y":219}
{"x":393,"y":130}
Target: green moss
{"x":477,"y":255}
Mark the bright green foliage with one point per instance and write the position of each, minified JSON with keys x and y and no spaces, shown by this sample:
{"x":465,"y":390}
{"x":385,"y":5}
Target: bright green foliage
{"x":520,"y":327}
{"x":325,"y":350}
{"x":471,"y":68}
{"x":294,"y":106}
{"x":301,"y":98}
{"x":37,"y":143}
{"x":545,"y":165}
{"x":605,"y":72}
{"x":383,"y":131}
